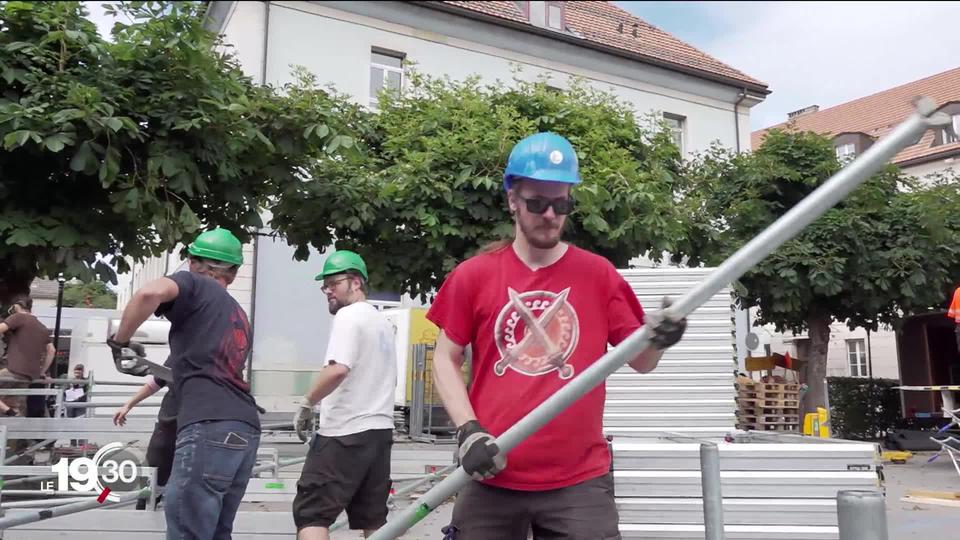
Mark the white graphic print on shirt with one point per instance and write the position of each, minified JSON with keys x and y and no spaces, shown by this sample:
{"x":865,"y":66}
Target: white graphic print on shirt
{"x":536,"y":332}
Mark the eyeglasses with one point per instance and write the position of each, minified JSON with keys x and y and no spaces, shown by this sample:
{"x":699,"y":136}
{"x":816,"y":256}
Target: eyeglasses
{"x":327,"y":287}
{"x":561,"y":207}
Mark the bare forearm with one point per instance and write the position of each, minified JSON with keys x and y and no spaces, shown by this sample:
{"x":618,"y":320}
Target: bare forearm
{"x":329,"y":379}
{"x":143,"y":393}
{"x":647,"y":360}
{"x":144,"y":304}
{"x":51,"y":354}
{"x":139,"y":309}
{"x":448,"y":380}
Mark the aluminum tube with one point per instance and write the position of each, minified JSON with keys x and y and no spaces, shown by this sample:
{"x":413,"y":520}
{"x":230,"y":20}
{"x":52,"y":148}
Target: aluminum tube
{"x":712,"y":494}
{"x":861,"y":515}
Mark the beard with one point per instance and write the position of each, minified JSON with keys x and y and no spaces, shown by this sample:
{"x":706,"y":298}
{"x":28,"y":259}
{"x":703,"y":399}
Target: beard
{"x":541,"y":236}
{"x":334,"y":305}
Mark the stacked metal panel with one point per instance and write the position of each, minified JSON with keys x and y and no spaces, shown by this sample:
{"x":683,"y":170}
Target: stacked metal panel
{"x":691,"y":391}
{"x":774,"y":485}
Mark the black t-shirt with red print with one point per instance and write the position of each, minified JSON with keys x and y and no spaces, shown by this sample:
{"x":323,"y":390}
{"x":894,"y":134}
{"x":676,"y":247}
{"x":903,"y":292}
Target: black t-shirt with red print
{"x":209,"y":343}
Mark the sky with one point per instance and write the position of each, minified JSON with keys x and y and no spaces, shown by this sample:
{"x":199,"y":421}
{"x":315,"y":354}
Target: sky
{"x":815,"y":53}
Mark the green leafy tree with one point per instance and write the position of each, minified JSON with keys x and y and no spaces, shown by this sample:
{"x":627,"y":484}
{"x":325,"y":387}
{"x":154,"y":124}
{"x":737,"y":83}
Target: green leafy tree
{"x":127,"y":147}
{"x":425,"y":189}
{"x":94,"y":294}
{"x":888,"y":250}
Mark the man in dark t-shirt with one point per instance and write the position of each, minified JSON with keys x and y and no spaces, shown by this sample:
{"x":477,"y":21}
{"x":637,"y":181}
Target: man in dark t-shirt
{"x":218,"y":428}
{"x":29,"y":353}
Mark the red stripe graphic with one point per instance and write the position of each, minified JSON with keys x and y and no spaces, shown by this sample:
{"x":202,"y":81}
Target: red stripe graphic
{"x":103,"y":496}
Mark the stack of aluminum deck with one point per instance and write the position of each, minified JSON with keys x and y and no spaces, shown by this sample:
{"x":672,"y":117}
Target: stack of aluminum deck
{"x":774,"y":485}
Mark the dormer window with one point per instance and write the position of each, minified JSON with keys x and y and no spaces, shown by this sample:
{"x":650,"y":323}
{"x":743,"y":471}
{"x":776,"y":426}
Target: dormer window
{"x":951,"y":134}
{"x":555,"y":15}
{"x":846,"y":151}
{"x":551,"y":15}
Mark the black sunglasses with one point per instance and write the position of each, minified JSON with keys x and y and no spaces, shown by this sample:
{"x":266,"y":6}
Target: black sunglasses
{"x":561,"y":207}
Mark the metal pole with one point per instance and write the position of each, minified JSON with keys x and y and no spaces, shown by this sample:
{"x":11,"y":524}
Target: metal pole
{"x":403,"y":491}
{"x":47,"y":513}
{"x":29,"y":450}
{"x":712,"y":494}
{"x":279,"y":465}
{"x":788,"y":226}
{"x":56,"y":326}
{"x":79,"y":381}
{"x":27,"y":480}
{"x":861,"y":515}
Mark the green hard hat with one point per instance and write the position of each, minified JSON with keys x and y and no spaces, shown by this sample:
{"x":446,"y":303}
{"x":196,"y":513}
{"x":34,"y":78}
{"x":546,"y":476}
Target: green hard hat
{"x":341,"y":261}
{"x":218,"y":245}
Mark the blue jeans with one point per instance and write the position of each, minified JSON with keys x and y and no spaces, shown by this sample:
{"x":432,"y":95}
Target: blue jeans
{"x":211,"y":467}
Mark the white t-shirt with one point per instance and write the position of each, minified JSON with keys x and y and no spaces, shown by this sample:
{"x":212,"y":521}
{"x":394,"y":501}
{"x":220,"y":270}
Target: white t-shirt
{"x":361,"y":339}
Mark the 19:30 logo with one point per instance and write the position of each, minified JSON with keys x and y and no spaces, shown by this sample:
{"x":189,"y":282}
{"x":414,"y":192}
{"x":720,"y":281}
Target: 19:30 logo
{"x":83,"y":474}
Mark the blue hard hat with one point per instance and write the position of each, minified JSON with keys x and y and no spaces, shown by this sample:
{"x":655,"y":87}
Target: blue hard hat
{"x":542,"y":156}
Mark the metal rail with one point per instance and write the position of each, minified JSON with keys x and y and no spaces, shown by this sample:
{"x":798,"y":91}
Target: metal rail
{"x":789,"y":225}
{"x":73,"y":508}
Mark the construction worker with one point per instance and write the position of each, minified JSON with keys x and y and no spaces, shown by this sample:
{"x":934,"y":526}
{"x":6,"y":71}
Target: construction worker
{"x":537,"y":312}
{"x":348,"y":463}
{"x":160,"y":449}
{"x":29,"y":353}
{"x":218,"y":427}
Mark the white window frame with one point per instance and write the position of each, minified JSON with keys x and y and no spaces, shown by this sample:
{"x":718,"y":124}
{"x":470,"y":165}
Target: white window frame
{"x":679,"y":131}
{"x":558,"y":6}
{"x":846,"y":151}
{"x":951,"y":134}
{"x":372,"y":99}
{"x":857,"y":358}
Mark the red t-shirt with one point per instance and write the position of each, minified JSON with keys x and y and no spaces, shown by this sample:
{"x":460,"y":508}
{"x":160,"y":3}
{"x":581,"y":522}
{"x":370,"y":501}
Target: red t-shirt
{"x":532,"y":332}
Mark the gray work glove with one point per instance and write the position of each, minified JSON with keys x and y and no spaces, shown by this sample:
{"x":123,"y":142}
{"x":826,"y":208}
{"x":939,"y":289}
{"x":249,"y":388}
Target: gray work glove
{"x":479,"y":455}
{"x":303,"y":421}
{"x":125,"y":355}
{"x":666,"y":332}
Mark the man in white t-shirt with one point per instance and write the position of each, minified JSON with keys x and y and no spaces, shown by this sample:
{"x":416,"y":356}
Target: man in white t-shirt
{"x":348,"y":464}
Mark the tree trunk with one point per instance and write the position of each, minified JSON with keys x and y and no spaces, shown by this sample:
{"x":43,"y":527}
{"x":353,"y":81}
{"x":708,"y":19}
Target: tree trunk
{"x":818,"y":328}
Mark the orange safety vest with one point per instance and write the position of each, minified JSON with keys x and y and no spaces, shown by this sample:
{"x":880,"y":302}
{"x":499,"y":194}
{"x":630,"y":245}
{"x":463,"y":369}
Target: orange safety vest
{"x":954,"y":311}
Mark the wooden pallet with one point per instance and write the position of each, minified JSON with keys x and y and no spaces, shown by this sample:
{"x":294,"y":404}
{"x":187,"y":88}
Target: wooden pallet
{"x":770,"y":419}
{"x":768,"y":403}
{"x":764,"y":413}
{"x":770,"y":426}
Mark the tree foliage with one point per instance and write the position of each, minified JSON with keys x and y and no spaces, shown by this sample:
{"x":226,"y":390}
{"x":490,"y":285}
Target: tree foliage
{"x":889,"y":249}
{"x":425,"y":190}
{"x":131,"y":145}
{"x":94,"y":294}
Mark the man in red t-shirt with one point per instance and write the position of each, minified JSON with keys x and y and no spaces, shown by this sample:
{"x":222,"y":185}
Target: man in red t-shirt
{"x":536,"y":312}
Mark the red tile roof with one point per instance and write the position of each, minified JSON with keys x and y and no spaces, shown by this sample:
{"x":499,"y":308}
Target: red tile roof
{"x":599,"y":22}
{"x":877,"y":114}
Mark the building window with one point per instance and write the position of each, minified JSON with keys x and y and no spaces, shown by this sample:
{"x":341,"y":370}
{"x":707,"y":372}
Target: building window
{"x":675,"y":124}
{"x":951,"y":133}
{"x":386,"y":72}
{"x":542,"y":14}
{"x":857,"y":357}
{"x":555,"y":15}
{"x":846,"y":151}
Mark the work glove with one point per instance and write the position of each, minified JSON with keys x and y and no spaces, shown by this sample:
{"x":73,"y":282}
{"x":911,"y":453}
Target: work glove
{"x":303,"y":421}
{"x":666,"y":332}
{"x":124,"y":352}
{"x":479,"y":455}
